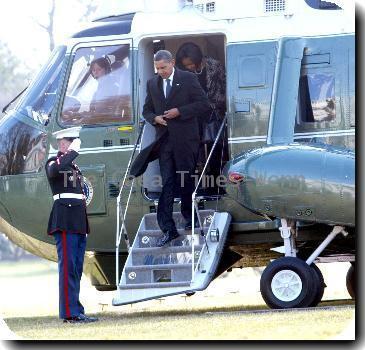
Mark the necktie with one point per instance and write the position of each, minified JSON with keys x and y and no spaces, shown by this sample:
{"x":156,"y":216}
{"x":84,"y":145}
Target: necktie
{"x":168,"y":87}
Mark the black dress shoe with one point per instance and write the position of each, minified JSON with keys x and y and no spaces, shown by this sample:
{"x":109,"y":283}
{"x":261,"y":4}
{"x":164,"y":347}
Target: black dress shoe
{"x":80,"y":319}
{"x":166,"y":238}
{"x":88,"y":318}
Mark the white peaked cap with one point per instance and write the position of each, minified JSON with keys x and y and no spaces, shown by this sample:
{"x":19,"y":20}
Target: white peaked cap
{"x":70,"y":132}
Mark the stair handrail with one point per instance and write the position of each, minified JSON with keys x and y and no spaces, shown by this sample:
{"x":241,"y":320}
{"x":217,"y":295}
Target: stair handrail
{"x":194,"y":203}
{"x":120,"y":215}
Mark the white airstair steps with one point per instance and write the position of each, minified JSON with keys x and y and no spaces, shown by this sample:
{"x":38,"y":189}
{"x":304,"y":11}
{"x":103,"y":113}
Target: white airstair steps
{"x":151,"y":272}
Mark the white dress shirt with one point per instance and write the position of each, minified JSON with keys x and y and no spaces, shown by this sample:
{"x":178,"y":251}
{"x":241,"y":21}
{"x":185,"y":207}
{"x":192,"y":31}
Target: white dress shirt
{"x":171,"y":77}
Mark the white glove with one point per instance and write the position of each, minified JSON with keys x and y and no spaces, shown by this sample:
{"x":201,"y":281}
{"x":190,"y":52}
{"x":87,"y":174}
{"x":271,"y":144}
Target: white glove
{"x":75,"y":145}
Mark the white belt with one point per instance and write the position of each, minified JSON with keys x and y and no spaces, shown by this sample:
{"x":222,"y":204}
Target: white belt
{"x":68,"y":195}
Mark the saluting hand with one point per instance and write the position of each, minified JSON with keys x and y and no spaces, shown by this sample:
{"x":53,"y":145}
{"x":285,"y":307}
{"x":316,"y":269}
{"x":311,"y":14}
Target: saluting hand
{"x":160,"y":120}
{"x":172,"y":113}
{"x":75,"y":145}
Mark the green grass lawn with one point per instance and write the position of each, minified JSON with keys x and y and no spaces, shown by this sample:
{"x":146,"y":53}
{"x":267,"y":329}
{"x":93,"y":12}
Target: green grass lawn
{"x":192,"y":325}
{"x":29,"y":305}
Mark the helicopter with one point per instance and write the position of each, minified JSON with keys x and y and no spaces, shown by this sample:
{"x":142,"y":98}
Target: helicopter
{"x":288,"y":141}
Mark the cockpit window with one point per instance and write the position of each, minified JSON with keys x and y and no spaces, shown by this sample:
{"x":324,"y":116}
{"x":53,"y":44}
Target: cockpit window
{"x":99,"y":87}
{"x":317,"y":98}
{"x":39,"y":99}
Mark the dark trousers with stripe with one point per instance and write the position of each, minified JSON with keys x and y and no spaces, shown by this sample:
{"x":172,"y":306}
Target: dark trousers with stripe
{"x":70,"y":250}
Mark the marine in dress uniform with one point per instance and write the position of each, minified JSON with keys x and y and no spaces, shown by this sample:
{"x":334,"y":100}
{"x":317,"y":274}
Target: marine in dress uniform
{"x":68,"y":223}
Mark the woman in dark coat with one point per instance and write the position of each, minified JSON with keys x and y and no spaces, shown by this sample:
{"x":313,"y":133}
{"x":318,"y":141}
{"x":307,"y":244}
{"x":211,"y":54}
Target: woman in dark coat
{"x":209,"y":71}
{"x":212,"y":77}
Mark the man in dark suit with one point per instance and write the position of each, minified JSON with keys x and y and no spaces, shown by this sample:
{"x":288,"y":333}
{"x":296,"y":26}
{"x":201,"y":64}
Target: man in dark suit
{"x":174,"y":102}
{"x":68,"y":223}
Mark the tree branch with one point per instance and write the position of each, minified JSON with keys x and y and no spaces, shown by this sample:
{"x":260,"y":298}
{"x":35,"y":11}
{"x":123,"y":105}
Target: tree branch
{"x":49,"y":28}
{"x":90,"y":8}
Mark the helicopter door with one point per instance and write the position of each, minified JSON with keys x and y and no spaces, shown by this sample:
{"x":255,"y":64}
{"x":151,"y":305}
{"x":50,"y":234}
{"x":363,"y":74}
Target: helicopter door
{"x":250,"y":76}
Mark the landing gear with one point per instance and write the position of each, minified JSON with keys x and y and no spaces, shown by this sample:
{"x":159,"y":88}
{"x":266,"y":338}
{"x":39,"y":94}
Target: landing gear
{"x":289,"y":282}
{"x":351,"y":281}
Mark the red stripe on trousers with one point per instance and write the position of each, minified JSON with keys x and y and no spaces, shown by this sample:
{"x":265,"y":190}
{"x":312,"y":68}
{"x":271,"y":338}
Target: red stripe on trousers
{"x":65,"y":273}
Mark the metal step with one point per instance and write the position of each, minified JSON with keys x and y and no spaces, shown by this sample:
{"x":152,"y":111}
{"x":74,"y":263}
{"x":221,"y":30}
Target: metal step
{"x":168,"y":273}
{"x":152,"y":272}
{"x":155,"y":285}
{"x":150,"y":220}
{"x":156,"y":233}
{"x":164,"y":255}
{"x":165,"y":250}
{"x":148,"y":238}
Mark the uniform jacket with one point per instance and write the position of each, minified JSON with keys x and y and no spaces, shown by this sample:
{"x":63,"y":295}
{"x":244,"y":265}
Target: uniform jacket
{"x":182,"y":132}
{"x":64,"y":176}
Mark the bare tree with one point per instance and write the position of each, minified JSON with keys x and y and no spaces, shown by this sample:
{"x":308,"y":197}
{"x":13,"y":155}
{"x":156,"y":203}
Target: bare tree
{"x":14,"y":75}
{"x":49,"y":27}
{"x":89,"y":6}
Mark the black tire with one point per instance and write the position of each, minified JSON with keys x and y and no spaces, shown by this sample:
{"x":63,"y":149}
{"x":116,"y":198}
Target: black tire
{"x":189,"y":294}
{"x":303,"y":280}
{"x":351,"y":281}
{"x":320,"y":285}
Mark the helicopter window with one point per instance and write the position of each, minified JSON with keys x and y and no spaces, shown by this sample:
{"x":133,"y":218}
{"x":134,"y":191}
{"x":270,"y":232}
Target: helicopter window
{"x":323,"y":5}
{"x":39,"y":99}
{"x":99,"y":87}
{"x":317,"y":98}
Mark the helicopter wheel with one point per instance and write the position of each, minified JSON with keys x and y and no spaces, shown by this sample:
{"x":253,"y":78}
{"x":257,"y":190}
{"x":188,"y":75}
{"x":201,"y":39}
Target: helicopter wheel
{"x":350,"y":281}
{"x":319,"y":283}
{"x":289,"y":282}
{"x":189,"y":294}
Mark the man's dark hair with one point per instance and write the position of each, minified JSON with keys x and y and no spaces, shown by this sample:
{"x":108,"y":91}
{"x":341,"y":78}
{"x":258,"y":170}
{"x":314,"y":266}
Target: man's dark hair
{"x":189,"y":50}
{"x":163,"y":55}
